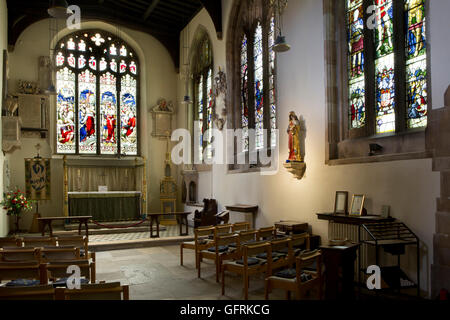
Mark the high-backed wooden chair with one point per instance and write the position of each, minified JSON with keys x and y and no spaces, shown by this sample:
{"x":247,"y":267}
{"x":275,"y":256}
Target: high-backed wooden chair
{"x":95,"y":291}
{"x":221,"y":251}
{"x":30,"y":270}
{"x":58,"y":269}
{"x":248,"y":264}
{"x":77,"y":241}
{"x":60,"y":254}
{"x":267,"y":233}
{"x":40,"y":292}
{"x":34,"y":242}
{"x":20,"y":254}
{"x":201,"y":242}
{"x":10,"y":242}
{"x":301,"y":280}
{"x":240,"y":226}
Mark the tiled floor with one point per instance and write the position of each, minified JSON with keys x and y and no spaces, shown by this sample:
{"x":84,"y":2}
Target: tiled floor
{"x":171,"y":231}
{"x":155,"y":274}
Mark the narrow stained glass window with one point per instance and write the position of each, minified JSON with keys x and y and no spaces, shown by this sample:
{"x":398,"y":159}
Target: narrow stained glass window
{"x":273,"y":107}
{"x":200,"y":116}
{"x":244,"y":94}
{"x":355,"y":28}
{"x":259,"y":88}
{"x":128,"y":114}
{"x":108,"y":114}
{"x":65,"y":82}
{"x":416,"y":65}
{"x":209,"y":113}
{"x":87,"y":83}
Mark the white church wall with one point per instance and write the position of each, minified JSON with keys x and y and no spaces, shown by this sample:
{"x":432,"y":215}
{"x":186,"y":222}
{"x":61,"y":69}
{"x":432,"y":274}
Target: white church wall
{"x":4,"y":227}
{"x":409,"y":187}
{"x":158,"y":79}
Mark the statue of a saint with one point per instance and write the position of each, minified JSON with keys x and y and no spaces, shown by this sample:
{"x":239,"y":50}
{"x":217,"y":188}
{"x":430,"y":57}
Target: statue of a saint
{"x":294,"y":138}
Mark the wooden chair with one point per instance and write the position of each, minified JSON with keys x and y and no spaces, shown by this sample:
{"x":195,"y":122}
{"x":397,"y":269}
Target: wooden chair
{"x":248,"y":264}
{"x":221,"y":251}
{"x":299,"y":243}
{"x":77,"y":241}
{"x":95,"y":291}
{"x":282,"y":253}
{"x":240,"y":226}
{"x":35,"y":242}
{"x":222,"y":229}
{"x":60,"y":254}
{"x":10,"y":242}
{"x":201,"y":242}
{"x":302,"y":280}
{"x":40,"y":292}
{"x":30,"y":270}
{"x":58,"y":269}
{"x":20,"y":254}
{"x":267,"y":233}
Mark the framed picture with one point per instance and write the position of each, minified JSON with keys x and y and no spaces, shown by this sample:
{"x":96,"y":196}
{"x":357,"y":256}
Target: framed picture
{"x":357,"y":204}
{"x":341,"y":202}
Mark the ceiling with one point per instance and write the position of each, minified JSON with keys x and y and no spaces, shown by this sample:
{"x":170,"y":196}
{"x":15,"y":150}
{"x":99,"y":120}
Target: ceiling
{"x":163,"y":19}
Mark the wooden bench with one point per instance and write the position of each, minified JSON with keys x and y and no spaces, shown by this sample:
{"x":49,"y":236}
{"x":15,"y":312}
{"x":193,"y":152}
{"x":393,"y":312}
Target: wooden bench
{"x":181,"y":218}
{"x":81,"y":219}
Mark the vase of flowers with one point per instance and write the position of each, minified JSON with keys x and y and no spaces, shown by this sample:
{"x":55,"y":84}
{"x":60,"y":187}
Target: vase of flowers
{"x":14,"y":203}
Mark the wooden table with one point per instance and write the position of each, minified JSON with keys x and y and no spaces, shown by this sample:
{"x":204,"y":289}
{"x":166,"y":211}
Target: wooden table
{"x":81,"y":219}
{"x":335,"y":258}
{"x":180,"y":216}
{"x":289,"y":227}
{"x":355,"y":220}
{"x":244,"y":208}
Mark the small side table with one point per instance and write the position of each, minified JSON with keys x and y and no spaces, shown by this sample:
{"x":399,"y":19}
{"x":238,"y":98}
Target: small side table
{"x":336,"y":258}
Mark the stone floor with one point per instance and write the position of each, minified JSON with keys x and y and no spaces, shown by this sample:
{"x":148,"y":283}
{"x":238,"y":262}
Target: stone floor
{"x":155,"y":274}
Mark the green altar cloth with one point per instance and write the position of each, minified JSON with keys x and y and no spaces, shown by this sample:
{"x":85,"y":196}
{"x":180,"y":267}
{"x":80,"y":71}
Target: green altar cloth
{"x":106,"y":206}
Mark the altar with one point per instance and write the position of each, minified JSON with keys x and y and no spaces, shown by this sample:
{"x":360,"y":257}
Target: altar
{"x":106,"y":206}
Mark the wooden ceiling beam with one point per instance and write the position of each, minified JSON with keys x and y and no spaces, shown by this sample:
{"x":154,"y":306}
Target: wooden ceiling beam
{"x":150,"y":9}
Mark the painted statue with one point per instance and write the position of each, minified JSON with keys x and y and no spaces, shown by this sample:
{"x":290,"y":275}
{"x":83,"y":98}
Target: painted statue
{"x":293,"y":131}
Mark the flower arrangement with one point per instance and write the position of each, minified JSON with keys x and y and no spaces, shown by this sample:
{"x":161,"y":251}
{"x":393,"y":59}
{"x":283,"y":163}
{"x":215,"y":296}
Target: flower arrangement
{"x":15,"y":202}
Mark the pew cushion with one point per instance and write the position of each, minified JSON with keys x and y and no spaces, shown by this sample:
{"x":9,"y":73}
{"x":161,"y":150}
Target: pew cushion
{"x":220,"y":248}
{"x":250,"y":261}
{"x":23,"y":283}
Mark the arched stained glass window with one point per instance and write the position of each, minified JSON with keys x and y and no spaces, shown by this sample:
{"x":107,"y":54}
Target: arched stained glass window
{"x":395,"y":65}
{"x":97,"y":95}
{"x":203,"y":94}
{"x":258,"y":109}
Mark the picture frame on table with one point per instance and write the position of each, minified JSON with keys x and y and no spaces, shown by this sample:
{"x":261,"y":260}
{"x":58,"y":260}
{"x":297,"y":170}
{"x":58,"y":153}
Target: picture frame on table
{"x":341,"y":202}
{"x":357,"y":206}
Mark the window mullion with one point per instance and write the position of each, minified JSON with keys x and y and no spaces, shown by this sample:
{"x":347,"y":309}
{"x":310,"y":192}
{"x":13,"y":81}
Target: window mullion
{"x":266,"y":84}
{"x":77,"y":72}
{"x":251,"y":81}
{"x":369,"y":71}
{"x":399,"y":68}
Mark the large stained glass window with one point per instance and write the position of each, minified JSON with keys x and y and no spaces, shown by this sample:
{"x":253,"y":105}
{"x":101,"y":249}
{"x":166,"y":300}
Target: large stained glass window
{"x":204,"y":99}
{"x":258,"y":108}
{"x":97,"y":101}
{"x":389,"y":64}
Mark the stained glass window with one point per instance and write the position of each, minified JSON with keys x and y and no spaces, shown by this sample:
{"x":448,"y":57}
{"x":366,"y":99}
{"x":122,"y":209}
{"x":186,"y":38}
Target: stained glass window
{"x":65,"y":123}
{"x":204,"y":98}
{"x":416,"y":65}
{"x":128,"y":113}
{"x":244,"y":93}
{"x":355,"y":27}
{"x":258,"y":108}
{"x":259,"y":87}
{"x":273,"y":106}
{"x":87,"y":100}
{"x":97,"y":101}
{"x":386,"y":48}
